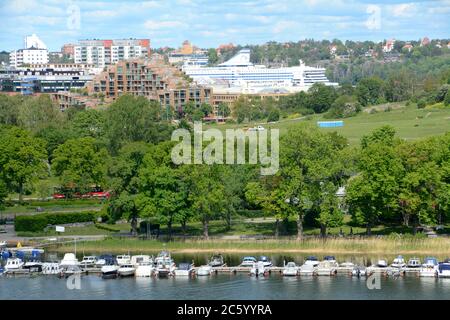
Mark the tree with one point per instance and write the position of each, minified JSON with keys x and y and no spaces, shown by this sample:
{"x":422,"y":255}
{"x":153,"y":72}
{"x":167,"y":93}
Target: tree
{"x":212,"y":56}
{"x":38,"y":113}
{"x":132,"y":118}
{"x":9,"y":109}
{"x":88,"y":123}
{"x":321,"y":97}
{"x":369,"y":91}
{"x":343,"y":107}
{"x":79,"y":164}
{"x":22,"y":160}
{"x":329,"y":213}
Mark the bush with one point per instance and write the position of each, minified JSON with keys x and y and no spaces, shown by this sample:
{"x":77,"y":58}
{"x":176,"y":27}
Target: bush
{"x":36,"y":223}
{"x":274,"y":115}
{"x":421,"y":104}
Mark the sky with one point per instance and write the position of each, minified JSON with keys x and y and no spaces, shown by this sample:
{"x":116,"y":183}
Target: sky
{"x":209,"y":23}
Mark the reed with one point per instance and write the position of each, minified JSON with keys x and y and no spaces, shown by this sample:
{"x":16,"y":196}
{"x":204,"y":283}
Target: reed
{"x":388,"y":245}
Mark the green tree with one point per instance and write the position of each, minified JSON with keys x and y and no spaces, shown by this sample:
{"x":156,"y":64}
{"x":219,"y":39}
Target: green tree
{"x":321,"y":97}
{"x":38,"y":113}
{"x":22,"y":160}
{"x":79,"y":164}
{"x":370,"y":91}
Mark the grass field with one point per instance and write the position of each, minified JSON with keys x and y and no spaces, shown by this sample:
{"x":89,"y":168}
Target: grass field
{"x":410,"y":122}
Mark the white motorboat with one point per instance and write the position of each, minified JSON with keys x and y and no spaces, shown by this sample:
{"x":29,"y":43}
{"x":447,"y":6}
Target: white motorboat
{"x":165,"y":266}
{"x":3,"y":244}
{"x":265,"y":260}
{"x":13,"y":264}
{"x":248,"y":261}
{"x":184,"y":270}
{"x":34,"y":265}
{"x":110,"y":269}
{"x":123,"y":259}
{"x":205,"y":270}
{"x":88,"y":262}
{"x":259,"y":269}
{"x":104,"y":260}
{"x":347,"y":265}
{"x":51,"y":268}
{"x":291,"y":269}
{"x":429,"y":268}
{"x":126,"y":270}
{"x":444,"y":269}
{"x":414,"y":263}
{"x":330,"y":259}
{"x":311,"y":260}
{"x":327,"y":268}
{"x":359,"y":271}
{"x":141,"y":259}
{"x":398,"y":262}
{"x":216,"y":261}
{"x":381,"y":263}
{"x":144,"y":269}
{"x":69,"y":260}
{"x":307,"y":270}
{"x":70,"y":270}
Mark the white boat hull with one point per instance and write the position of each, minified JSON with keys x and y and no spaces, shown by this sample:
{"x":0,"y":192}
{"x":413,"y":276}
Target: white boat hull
{"x":204,"y":271}
{"x":183,"y":273}
{"x":290,"y":272}
{"x":109,"y":271}
{"x":144,"y":271}
{"x":126,"y":272}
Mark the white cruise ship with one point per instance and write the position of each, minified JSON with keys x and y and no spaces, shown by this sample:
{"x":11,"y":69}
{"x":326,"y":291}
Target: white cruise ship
{"x":240,"y":72}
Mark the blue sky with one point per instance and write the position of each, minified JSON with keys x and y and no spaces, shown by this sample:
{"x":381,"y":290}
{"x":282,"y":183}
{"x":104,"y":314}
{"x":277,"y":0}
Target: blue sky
{"x":208,"y":23}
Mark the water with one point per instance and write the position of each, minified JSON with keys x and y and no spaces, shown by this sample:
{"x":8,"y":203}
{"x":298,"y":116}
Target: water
{"x":227,"y":286}
{"x":223,"y":287}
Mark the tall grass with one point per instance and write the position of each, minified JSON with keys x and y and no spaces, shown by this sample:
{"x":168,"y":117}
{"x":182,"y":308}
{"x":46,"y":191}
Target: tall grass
{"x":408,"y":245}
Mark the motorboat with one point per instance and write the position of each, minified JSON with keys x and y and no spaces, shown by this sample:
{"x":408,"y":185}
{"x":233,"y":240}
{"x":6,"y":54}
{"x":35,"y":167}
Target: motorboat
{"x":330,"y":259}
{"x":165,"y":266}
{"x":291,"y":269}
{"x":444,"y":269}
{"x":69,"y":259}
{"x":359,"y":271}
{"x":13,"y":264}
{"x":104,"y":260}
{"x":51,"y":268}
{"x":398,"y":262}
{"x":311,"y":260}
{"x":70,"y":270}
{"x":123,"y":259}
{"x":126,"y":270}
{"x":259,"y":269}
{"x":429,"y":268}
{"x":307,"y":269}
{"x":184,"y":270}
{"x":381,"y":263}
{"x":88,"y":262}
{"x":206,"y":270}
{"x":347,"y":264}
{"x":414,"y":263}
{"x":144,"y":269}
{"x":110,"y":269}
{"x":3,"y":244}
{"x":216,"y":261}
{"x":141,"y":259}
{"x":33,"y":264}
{"x":265,"y":260}
{"x":248,"y":261}
{"x":327,"y":268}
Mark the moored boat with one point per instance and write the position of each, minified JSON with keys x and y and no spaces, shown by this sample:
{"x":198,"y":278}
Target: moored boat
{"x":145,"y":269}
{"x":51,"y":268}
{"x":165,"y":266}
{"x":13,"y":265}
{"x":141,"y":259}
{"x":359,"y":271}
{"x":307,"y":269}
{"x":110,"y":269}
{"x":126,"y":270}
{"x":123,"y":259}
{"x":88,"y":262}
{"x":311,"y":260}
{"x":206,"y":270}
{"x":414,"y":263}
{"x":429,"y":268}
{"x":265,"y":261}
{"x":216,"y":261}
{"x":259,"y":269}
{"x":184,"y":270}
{"x":248,"y":261}
{"x":444,"y":269}
{"x":398,"y":262}
{"x":381,"y":263}
{"x":290,"y":269}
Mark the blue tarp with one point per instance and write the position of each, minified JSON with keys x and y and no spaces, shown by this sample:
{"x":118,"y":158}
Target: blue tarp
{"x":330,"y":124}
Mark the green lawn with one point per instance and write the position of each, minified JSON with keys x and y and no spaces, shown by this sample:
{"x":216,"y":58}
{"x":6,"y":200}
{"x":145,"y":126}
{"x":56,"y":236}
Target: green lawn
{"x":410,"y":122}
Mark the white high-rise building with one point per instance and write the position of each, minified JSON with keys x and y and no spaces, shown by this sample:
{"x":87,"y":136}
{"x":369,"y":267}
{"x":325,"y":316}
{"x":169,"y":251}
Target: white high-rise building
{"x":105,"y":52}
{"x":35,"y":52}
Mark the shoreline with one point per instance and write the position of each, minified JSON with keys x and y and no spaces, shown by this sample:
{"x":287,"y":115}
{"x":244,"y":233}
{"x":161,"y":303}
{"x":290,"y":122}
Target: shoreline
{"x":410,"y":246}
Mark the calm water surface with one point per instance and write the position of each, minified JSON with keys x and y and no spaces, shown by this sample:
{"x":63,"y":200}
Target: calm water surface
{"x":226,"y":286}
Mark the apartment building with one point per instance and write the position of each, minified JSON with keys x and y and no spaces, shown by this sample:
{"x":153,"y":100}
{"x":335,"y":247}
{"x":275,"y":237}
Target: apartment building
{"x":34,"y":52}
{"x":107,"y":52}
{"x":150,"y":78}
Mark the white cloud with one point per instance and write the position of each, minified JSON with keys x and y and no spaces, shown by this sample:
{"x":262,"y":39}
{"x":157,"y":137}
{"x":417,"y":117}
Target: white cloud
{"x":403,"y":10}
{"x":285,"y":25}
{"x":158,"y":25}
{"x":100,"y":14}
